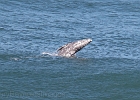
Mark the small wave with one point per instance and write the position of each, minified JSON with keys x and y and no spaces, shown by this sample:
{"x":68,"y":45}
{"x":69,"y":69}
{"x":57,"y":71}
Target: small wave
{"x":15,"y":58}
{"x":10,"y":57}
{"x":1,"y":28}
{"x":50,"y":54}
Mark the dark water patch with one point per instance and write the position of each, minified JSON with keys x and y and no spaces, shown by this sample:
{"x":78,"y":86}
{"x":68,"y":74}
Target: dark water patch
{"x":93,"y":78}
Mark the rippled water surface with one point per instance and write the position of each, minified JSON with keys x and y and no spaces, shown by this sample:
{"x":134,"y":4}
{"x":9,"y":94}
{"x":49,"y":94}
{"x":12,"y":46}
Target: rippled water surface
{"x":107,"y":69}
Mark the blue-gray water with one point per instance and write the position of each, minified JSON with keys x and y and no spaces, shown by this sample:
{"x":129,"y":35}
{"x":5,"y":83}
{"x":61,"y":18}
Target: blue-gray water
{"x":107,"y":69}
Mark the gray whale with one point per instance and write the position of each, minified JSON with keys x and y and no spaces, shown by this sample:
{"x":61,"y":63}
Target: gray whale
{"x":70,"y":49}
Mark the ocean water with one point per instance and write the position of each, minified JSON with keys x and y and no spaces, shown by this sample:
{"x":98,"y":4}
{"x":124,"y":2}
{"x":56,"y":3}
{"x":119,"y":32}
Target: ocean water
{"x":106,"y":69}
